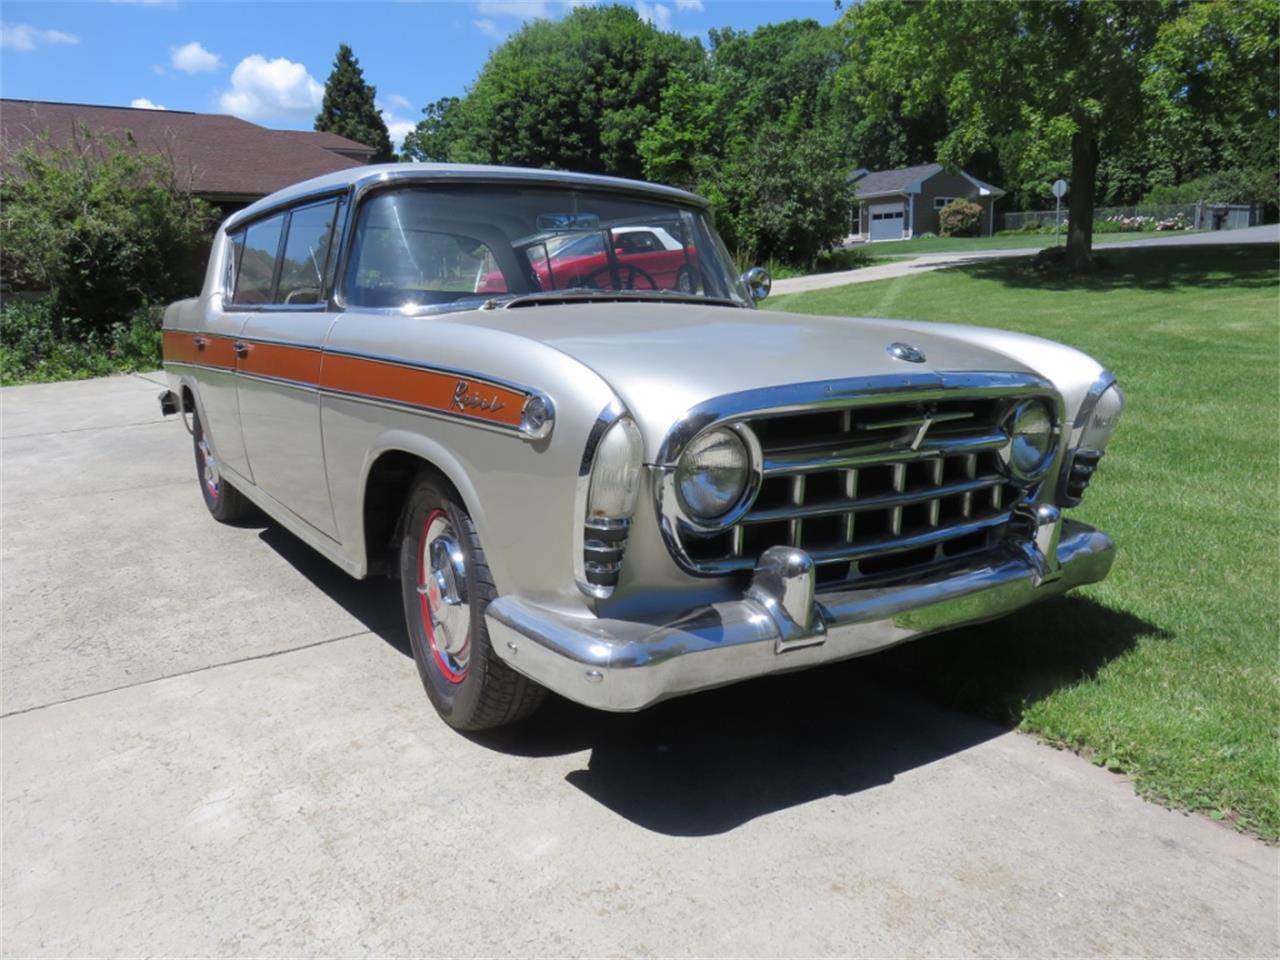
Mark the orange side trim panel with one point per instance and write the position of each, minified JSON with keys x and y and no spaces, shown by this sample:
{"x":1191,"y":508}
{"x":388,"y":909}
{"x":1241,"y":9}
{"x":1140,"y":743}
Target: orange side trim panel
{"x":463,"y":396}
{"x":284,"y":363}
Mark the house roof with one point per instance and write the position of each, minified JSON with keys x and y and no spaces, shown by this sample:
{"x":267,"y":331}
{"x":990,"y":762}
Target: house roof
{"x":214,"y":155}
{"x":882,"y":183}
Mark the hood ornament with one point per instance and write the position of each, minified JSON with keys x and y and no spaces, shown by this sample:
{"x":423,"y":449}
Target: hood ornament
{"x":905,"y":351}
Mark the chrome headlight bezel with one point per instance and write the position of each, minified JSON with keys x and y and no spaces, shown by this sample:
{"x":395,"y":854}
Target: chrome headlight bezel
{"x":1015,"y":464}
{"x":745,"y":494}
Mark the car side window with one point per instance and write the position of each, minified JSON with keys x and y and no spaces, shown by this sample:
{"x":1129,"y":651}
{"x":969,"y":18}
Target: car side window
{"x":306,"y":252}
{"x":258,"y":261}
{"x":235,"y":247}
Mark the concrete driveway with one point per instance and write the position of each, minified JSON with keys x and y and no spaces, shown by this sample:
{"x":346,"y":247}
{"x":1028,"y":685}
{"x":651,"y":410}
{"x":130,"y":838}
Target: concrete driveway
{"x":214,"y":743}
{"x":1269,"y":233}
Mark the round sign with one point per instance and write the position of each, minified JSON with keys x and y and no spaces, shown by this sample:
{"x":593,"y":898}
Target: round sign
{"x":1059,"y":188}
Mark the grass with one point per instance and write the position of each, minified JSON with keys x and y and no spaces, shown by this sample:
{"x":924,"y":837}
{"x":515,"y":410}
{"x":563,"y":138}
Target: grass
{"x":1168,"y":670}
{"x":1004,"y":241}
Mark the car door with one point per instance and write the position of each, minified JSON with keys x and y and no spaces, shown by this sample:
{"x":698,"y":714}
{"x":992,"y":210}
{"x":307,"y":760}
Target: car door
{"x":279,"y":356}
{"x":213,"y":353}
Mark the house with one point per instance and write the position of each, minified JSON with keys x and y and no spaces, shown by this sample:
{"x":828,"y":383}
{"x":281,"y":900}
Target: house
{"x":901,"y":204}
{"x":223,"y":159}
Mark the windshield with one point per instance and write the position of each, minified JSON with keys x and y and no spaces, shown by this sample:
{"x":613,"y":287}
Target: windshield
{"x":458,"y":246}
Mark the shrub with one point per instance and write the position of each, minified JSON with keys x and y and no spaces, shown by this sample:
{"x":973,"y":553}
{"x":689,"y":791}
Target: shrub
{"x":103,"y":226}
{"x":960,"y":218}
{"x":36,"y":344}
{"x":927,"y":235}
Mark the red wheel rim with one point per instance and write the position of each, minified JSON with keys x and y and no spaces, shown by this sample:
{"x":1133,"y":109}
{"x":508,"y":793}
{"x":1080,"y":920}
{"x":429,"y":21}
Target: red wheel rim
{"x":429,"y":595}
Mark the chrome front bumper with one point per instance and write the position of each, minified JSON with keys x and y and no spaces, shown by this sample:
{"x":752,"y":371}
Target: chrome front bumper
{"x":780,"y":624}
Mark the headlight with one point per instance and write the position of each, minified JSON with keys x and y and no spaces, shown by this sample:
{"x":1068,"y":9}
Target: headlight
{"x":712,"y":474}
{"x":1031,"y":437}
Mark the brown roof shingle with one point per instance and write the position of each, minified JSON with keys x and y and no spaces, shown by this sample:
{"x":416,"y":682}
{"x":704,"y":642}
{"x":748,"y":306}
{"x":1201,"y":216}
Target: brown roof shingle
{"x":215,"y":155}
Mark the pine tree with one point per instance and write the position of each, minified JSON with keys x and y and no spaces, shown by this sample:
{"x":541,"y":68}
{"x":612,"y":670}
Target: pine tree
{"x":349,"y":109}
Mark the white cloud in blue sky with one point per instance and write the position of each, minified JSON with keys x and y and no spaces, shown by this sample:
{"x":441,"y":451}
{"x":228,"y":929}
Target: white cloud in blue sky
{"x":20,"y":36}
{"x":194,"y":58}
{"x":278,"y":89}
{"x":142,"y":103}
{"x":658,"y":14}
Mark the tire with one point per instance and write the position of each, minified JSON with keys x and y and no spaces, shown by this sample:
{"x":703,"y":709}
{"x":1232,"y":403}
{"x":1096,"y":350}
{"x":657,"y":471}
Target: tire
{"x":226,"y":504}
{"x":684,"y":281}
{"x":446,"y":586}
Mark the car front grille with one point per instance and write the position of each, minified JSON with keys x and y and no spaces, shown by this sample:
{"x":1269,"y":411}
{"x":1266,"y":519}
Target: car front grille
{"x":872,"y":492}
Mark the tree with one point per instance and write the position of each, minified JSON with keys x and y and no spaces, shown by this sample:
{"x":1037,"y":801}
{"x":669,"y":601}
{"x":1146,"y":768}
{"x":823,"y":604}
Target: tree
{"x":577,"y":93}
{"x":103,"y":226}
{"x":433,"y":137}
{"x":349,"y":109}
{"x":756,"y":131}
{"x":1063,"y":75}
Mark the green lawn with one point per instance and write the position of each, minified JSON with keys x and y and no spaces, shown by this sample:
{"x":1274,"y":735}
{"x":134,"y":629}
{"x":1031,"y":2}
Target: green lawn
{"x":1010,"y":241}
{"x":1169,"y":671}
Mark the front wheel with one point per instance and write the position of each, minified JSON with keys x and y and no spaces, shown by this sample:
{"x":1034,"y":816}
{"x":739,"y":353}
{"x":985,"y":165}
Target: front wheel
{"x":446,"y":586}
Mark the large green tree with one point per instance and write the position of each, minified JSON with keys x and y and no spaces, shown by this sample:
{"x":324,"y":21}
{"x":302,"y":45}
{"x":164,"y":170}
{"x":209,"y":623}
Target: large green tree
{"x":1025,"y":77}
{"x":576,"y":93}
{"x":349,"y":109}
{"x":434,"y":135}
{"x":1123,"y":94}
{"x":756,"y":130}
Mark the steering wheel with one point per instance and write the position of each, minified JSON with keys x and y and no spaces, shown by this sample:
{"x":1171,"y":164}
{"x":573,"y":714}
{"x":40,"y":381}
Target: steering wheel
{"x":628,"y":274}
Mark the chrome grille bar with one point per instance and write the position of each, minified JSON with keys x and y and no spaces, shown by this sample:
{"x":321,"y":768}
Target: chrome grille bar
{"x":873,"y":548}
{"x":852,"y":504}
{"x":811,"y":461}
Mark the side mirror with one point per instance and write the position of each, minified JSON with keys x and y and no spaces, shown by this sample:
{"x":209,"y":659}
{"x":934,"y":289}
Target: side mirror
{"x":758,"y":282}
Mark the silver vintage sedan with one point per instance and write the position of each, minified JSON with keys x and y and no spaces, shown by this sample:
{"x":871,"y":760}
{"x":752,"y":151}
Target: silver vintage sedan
{"x":546,"y":403}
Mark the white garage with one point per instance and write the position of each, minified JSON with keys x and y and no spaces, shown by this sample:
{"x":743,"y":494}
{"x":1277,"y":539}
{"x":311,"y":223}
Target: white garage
{"x":888,"y":221}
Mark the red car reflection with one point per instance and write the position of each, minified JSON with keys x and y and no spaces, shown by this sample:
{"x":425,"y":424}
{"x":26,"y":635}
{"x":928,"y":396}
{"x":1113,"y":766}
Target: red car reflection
{"x":645,"y":258}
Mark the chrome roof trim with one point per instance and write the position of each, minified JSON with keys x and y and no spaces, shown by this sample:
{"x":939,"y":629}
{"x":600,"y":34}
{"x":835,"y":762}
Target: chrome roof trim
{"x":401,"y":174}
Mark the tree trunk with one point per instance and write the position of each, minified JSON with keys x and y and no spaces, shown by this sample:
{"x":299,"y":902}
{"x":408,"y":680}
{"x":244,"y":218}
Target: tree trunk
{"x":1084,"y":174}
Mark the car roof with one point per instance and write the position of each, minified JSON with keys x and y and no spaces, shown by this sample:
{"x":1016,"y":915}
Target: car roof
{"x":406,"y":173}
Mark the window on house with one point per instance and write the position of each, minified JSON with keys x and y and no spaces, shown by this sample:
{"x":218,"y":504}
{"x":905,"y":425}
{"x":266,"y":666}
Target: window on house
{"x":940,"y":202}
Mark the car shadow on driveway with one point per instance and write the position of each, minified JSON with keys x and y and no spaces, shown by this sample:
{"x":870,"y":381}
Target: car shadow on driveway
{"x":375,"y":602}
{"x":707,"y":763}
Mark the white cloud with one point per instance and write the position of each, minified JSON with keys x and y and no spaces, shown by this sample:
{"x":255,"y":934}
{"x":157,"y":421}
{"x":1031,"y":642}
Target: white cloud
{"x":194,"y":58}
{"x":658,"y":14}
{"x":489,"y":28}
{"x":277,"y":89}
{"x":397,"y":126}
{"x":142,"y":103}
{"x":20,"y":36}
{"x":690,"y":6}
{"x":404,"y":103}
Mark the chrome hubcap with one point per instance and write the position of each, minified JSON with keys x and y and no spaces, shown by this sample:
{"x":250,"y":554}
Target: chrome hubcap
{"x":209,"y":473}
{"x":443,"y":587}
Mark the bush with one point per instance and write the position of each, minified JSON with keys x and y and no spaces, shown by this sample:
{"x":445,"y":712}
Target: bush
{"x":37,"y":345}
{"x":102,"y":226}
{"x":927,"y":235}
{"x":960,"y":218}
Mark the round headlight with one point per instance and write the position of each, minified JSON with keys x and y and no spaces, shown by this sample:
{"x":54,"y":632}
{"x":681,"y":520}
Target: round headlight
{"x":1031,"y":439}
{"x":712,"y":474}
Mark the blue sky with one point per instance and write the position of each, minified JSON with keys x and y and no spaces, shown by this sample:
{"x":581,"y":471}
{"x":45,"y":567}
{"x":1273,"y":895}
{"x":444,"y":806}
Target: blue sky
{"x":267,"y":62}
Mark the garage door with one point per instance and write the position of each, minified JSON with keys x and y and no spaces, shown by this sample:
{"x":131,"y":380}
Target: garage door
{"x":887,"y":221}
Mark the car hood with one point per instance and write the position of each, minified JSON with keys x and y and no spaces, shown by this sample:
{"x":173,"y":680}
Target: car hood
{"x":663,"y":359}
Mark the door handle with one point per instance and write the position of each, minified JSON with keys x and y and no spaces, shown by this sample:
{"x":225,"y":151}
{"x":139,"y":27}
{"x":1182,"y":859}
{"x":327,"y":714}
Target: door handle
{"x":201,"y":342}
{"x":241,"y":348}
